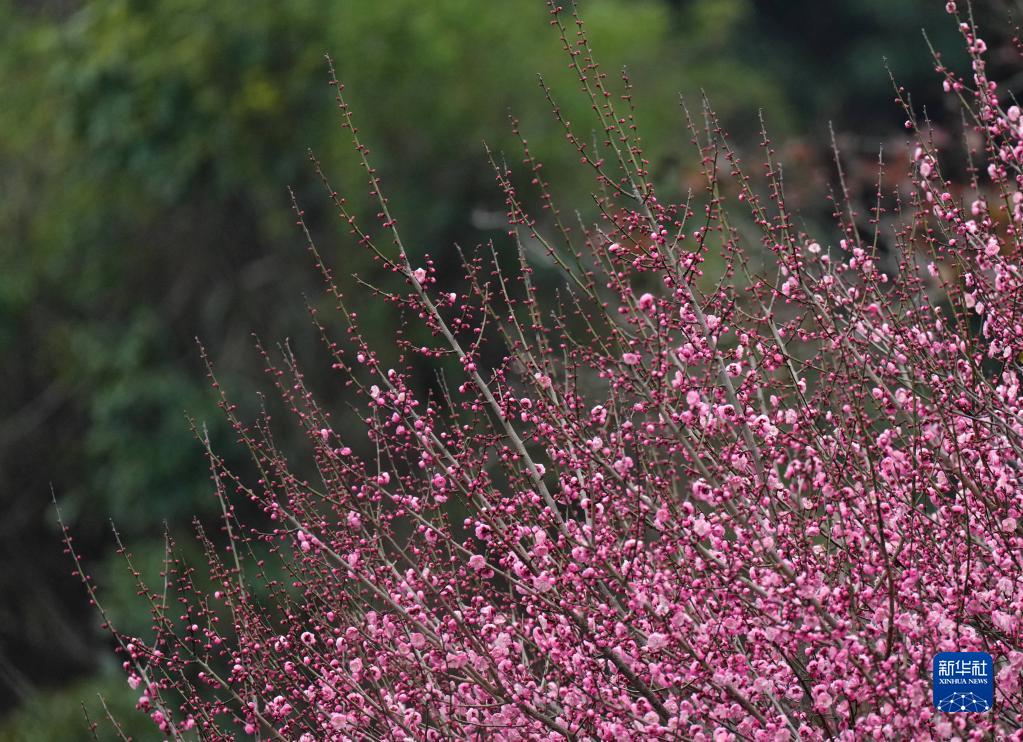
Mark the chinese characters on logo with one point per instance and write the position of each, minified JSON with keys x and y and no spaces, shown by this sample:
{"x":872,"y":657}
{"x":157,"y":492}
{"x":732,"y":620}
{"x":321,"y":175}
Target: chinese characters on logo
{"x":964,"y":681}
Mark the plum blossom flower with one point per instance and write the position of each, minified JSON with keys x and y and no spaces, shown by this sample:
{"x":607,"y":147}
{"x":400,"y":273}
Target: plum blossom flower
{"x":656,"y":641}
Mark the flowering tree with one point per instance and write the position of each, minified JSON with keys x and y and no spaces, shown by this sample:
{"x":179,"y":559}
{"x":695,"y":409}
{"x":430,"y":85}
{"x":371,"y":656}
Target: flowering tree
{"x":752,"y":502}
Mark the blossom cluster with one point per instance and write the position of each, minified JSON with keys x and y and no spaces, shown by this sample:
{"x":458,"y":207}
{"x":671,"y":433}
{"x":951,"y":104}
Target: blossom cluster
{"x":723,"y":488}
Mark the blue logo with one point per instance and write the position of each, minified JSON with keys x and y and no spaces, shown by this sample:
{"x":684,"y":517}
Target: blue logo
{"x":964,"y":681}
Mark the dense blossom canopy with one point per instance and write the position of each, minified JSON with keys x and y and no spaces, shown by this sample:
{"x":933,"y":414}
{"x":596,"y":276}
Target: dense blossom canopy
{"x":733,"y":483}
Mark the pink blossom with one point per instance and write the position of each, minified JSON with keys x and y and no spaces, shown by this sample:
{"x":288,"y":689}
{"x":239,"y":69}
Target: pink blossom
{"x":765,"y":533}
{"x":701,"y":527}
{"x":656,"y":642}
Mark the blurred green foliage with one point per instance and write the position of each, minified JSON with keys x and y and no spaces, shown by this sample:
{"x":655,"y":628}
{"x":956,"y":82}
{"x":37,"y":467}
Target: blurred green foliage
{"x":144,"y":152}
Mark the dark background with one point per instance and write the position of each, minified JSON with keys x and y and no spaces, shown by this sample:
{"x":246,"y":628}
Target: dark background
{"x":145,"y":148}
